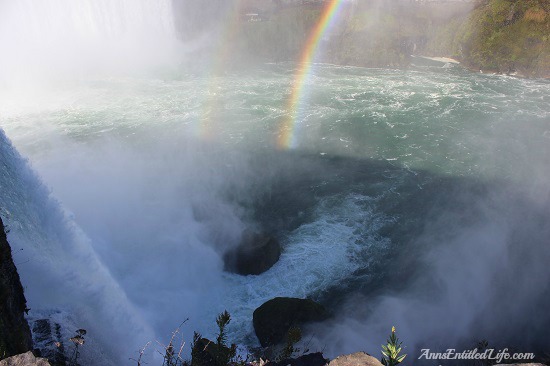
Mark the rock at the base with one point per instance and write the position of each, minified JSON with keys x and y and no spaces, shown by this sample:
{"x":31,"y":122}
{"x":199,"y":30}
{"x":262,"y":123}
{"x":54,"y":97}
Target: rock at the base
{"x":207,"y":353}
{"x":24,"y":359}
{"x":274,"y":318}
{"x":15,"y":335}
{"x":355,"y":359}
{"x":311,"y":359}
{"x":255,"y":254}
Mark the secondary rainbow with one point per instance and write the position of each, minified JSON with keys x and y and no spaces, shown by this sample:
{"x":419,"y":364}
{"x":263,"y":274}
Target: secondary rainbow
{"x":204,"y":128}
{"x":287,"y":131}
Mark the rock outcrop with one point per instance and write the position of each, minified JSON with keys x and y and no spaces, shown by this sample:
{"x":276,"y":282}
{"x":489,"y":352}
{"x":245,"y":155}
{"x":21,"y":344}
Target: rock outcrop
{"x":274,"y":318}
{"x":15,"y":335}
{"x":24,"y":359}
{"x":255,"y":254}
{"x":355,"y":359}
{"x":311,"y":359}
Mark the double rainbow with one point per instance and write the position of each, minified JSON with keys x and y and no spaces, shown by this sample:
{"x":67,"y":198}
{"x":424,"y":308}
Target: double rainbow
{"x":287,"y":131}
{"x":211,"y":105}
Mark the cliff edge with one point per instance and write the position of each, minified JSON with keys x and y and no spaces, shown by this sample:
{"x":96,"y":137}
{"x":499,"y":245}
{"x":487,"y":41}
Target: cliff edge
{"x":15,"y":335}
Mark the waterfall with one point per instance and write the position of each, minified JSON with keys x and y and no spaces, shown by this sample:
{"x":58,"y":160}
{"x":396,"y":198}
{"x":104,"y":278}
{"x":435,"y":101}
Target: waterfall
{"x":61,"y":273}
{"x":75,"y":37}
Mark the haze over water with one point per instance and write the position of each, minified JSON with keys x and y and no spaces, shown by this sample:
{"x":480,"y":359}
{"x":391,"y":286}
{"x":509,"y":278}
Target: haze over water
{"x":416,"y":198}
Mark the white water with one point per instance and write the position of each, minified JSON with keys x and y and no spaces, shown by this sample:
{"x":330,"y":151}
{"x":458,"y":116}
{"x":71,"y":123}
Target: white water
{"x":49,"y":40}
{"x":135,"y":245}
{"x":160,"y":227}
{"x":58,"y":266}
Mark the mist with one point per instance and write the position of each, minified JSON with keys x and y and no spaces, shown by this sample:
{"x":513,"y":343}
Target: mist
{"x":477,"y":270}
{"x":57,"y":41}
{"x":140,"y":143}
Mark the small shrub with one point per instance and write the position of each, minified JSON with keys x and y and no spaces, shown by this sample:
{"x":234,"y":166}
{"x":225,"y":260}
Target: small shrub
{"x":294,"y":336}
{"x":225,"y":354}
{"x":78,"y":340}
{"x":208,"y":353}
{"x":391,"y":351}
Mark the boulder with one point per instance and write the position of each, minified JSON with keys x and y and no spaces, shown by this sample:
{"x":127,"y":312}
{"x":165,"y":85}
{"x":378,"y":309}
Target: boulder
{"x":274,"y":318}
{"x":311,"y":359}
{"x":254,"y":255}
{"x":24,"y":359}
{"x":355,"y":359}
{"x":207,"y":353}
{"x":15,"y":334}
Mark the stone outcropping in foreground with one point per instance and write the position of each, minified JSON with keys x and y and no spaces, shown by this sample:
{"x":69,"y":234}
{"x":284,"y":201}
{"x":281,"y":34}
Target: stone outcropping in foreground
{"x":311,"y":359}
{"x":355,"y":359}
{"x":274,"y":318}
{"x":15,"y":335}
{"x":24,"y":359}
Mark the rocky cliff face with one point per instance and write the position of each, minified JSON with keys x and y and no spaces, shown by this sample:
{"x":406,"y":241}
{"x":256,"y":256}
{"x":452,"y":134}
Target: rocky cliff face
{"x":507,"y":36}
{"x":15,"y":335}
{"x":502,"y":36}
{"x":24,"y":359}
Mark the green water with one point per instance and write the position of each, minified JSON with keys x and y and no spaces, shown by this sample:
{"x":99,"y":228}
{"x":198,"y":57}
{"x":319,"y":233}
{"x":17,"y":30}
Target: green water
{"x":387,"y":166}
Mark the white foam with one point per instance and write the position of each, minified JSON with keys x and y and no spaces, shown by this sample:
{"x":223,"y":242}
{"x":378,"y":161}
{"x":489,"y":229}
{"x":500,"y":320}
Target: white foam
{"x":317,"y":256}
{"x":58,"y":267}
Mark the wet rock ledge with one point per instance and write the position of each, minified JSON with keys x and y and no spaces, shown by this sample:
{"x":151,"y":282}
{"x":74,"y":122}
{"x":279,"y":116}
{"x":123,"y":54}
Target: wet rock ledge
{"x":15,"y":334}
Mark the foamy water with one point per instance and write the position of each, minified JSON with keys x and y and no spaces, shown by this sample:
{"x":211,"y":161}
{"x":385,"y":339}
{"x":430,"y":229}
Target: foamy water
{"x":153,"y":179}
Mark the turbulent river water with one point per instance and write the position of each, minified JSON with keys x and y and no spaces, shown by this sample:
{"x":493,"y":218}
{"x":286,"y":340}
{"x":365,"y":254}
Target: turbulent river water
{"x":414,"y":198}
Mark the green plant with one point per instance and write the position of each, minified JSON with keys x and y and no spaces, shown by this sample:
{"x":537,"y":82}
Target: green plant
{"x":391,"y":350}
{"x":222,"y":320}
{"x":195,"y":352}
{"x":224,"y":353}
{"x":293,"y":336}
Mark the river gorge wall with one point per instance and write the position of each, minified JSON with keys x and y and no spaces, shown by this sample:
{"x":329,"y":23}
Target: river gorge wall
{"x":500,"y":36}
{"x":15,"y":335}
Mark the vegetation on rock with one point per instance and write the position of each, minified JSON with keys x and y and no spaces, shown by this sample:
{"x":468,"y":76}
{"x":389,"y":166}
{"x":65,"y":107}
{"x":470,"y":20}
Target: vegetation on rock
{"x":502,"y":36}
{"x":391,"y":350}
{"x":507,"y":36}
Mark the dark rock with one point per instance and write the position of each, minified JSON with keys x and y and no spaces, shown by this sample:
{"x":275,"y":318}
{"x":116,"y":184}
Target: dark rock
{"x":273,"y":319}
{"x":208,"y":353}
{"x":24,"y":359}
{"x":355,"y":359}
{"x":255,"y":254}
{"x":15,"y":334}
{"x":312,"y":359}
{"x":48,"y":341}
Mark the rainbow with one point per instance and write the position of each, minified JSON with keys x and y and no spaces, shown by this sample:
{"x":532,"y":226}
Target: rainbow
{"x":204,"y":128}
{"x":287,"y":131}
